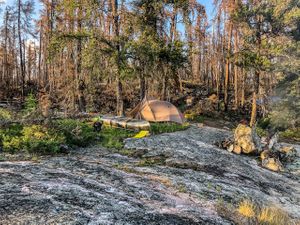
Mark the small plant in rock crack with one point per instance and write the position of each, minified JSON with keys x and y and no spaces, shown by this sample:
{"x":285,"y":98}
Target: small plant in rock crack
{"x":182,"y":188}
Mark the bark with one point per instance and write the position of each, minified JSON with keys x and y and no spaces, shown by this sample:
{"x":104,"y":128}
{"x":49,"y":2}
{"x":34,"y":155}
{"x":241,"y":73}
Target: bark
{"x":254,"y":110}
{"x":80,"y":79}
{"x":142,"y":87}
{"x":243,"y":89}
{"x":236,"y":97}
{"x":22,"y":66}
{"x":227,"y":67}
{"x":6,"y":79}
{"x":256,"y":75}
{"x":40,"y":55}
{"x":119,"y":86}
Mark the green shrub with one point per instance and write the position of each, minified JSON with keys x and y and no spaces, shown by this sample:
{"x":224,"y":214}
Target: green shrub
{"x":158,"y":128}
{"x":39,"y":139}
{"x":11,"y":144}
{"x":33,"y":139}
{"x":5,"y":114}
{"x":264,"y":123}
{"x":77,"y":133}
{"x":30,"y":104}
{"x":113,"y":137}
{"x":293,"y":134}
{"x":10,"y":138}
{"x":261,"y":132}
{"x":283,"y":119}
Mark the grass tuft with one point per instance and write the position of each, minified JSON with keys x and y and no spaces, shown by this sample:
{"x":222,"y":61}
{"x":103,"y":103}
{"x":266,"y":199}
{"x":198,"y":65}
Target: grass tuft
{"x":246,"y":208}
{"x":248,"y":212}
{"x":273,"y":216}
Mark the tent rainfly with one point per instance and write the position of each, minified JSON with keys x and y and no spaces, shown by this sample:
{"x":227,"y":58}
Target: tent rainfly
{"x":157,"y":111}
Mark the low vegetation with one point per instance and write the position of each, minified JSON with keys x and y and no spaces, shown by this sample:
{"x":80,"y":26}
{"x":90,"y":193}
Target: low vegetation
{"x":286,"y":130}
{"x":159,"y":128}
{"x":113,"y":137}
{"x":46,"y":139}
{"x":5,"y":114}
{"x":291,"y":134}
{"x":54,"y":136}
{"x":251,"y":213}
{"x":150,"y":161}
{"x":76,"y":133}
{"x":194,"y":117}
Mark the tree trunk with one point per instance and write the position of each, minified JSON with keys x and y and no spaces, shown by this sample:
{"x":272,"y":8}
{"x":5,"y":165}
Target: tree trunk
{"x":22,"y":66}
{"x":236,"y":97}
{"x":257,"y":76}
{"x":119,"y":87}
{"x":120,"y":101}
{"x":142,"y":87}
{"x":243,"y":89}
{"x":40,"y":56}
{"x":254,"y":110}
{"x":80,"y":80}
{"x":227,"y":67}
{"x":6,"y":79}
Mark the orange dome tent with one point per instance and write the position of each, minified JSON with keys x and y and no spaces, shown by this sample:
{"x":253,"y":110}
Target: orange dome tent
{"x":157,"y":111}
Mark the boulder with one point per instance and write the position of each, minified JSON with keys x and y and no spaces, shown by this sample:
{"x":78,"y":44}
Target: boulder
{"x":230,"y":148}
{"x":273,"y":164}
{"x":273,"y":141}
{"x":246,"y":138}
{"x":288,"y":153}
{"x":225,"y":144}
{"x":265,"y":154}
{"x":237,"y":149}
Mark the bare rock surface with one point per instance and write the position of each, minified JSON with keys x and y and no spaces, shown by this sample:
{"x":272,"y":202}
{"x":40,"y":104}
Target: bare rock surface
{"x":175,"y":178}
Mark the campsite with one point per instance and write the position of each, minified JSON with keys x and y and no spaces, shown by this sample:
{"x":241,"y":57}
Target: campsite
{"x":150,"y":112}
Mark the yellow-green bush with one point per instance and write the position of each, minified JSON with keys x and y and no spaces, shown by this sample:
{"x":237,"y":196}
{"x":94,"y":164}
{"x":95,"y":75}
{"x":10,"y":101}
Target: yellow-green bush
{"x":5,"y":114}
{"x":33,"y":139}
{"x":10,"y":138}
{"x":40,"y":139}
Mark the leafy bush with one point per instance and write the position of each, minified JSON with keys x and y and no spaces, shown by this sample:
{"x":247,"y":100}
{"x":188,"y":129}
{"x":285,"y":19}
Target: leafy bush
{"x":194,"y":117}
{"x":30,"y":104}
{"x":5,"y":114}
{"x":283,"y":119}
{"x":113,"y":137}
{"x":33,"y":139}
{"x":77,"y":133}
{"x":264,"y":123}
{"x":261,"y":132}
{"x":10,"y":138}
{"x":40,"y":139}
{"x":293,"y":134}
{"x":159,"y":128}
